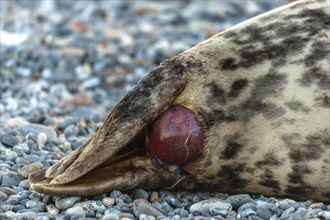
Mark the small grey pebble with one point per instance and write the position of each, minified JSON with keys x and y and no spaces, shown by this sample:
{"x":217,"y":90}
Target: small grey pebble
{"x":147,"y":209}
{"x":110,"y":216}
{"x":238,"y":200}
{"x":67,"y":202}
{"x":139,"y":194}
{"x":264,"y":213}
{"x":71,"y":130}
{"x":3,"y":196}
{"x":25,"y":184}
{"x":115,"y":194}
{"x":146,"y":217}
{"x":249,"y":205}
{"x":111,"y":210}
{"x":77,"y":211}
{"x":10,"y":179}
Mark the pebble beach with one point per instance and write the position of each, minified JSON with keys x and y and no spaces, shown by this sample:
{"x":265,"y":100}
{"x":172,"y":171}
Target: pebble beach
{"x":65,"y":64}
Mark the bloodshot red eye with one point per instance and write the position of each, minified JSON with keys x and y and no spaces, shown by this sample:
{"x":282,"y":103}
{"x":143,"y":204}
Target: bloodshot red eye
{"x":176,"y":137}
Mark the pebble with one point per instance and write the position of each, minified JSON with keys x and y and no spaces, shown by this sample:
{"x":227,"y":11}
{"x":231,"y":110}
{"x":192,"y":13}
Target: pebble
{"x":139,"y":193}
{"x":110,"y":216}
{"x":42,"y":139}
{"x":76,"y":211}
{"x":107,"y":201}
{"x":66,"y":202}
{"x":30,"y":168}
{"x":154,"y":196}
{"x":10,"y":179}
{"x":238,"y":200}
{"x":146,"y":208}
{"x":207,"y":205}
{"x":37,"y":129}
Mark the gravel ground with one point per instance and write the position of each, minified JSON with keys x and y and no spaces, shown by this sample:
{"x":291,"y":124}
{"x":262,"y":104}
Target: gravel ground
{"x":65,"y":64}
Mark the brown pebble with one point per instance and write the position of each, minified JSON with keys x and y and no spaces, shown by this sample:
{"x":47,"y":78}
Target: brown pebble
{"x":154,"y":196}
{"x":125,"y":215}
{"x":8,"y":191}
{"x":107,"y":201}
{"x":30,"y":168}
{"x":316,"y":205}
{"x":137,"y":201}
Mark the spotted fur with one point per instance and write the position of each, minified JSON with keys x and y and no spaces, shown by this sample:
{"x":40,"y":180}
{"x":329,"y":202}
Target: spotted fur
{"x":261,"y":91}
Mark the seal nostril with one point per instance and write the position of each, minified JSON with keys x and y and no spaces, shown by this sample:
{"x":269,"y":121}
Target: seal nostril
{"x":176,"y":137}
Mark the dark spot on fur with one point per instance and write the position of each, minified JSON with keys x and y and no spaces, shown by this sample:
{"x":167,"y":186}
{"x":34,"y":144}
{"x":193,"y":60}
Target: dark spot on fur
{"x":237,"y":87}
{"x":269,"y":160}
{"x":214,"y":117}
{"x":267,"y":85}
{"x":232,"y":148}
{"x":319,"y":51}
{"x":268,"y":180}
{"x":309,"y":148}
{"x":323,"y":101}
{"x":231,"y":173}
{"x":228,"y":64}
{"x":297,"y":182}
{"x":217,"y":94}
{"x":315,"y":75}
{"x":297,"y":106}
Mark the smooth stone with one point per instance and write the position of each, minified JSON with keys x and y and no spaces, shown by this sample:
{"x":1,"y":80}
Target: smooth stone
{"x":12,"y":156}
{"x":125,"y":215}
{"x":139,"y":193}
{"x":35,"y":204}
{"x":115,"y":194}
{"x":14,"y":122}
{"x":67,"y":202}
{"x":3,"y":196}
{"x":107,"y":201}
{"x":71,"y":130}
{"x":206,"y":205}
{"x":154,"y":196}
{"x":27,"y":169}
{"x":323,"y":214}
{"x":96,"y":206}
{"x":248,"y":205}
{"x":146,"y":217}
{"x":10,"y":179}
{"x":42,"y":139}
{"x":11,"y":140}
{"x":38,"y":128}
{"x":264,"y":212}
{"x":146,"y":208}
{"x":110,"y":216}
{"x":238,"y":200}
{"x":25,"y":184}
{"x":112,"y":210}
{"x":77,"y":211}
{"x":26,"y":215}
{"x":7,"y":190}
{"x":245,"y":214}
{"x":22,"y":148}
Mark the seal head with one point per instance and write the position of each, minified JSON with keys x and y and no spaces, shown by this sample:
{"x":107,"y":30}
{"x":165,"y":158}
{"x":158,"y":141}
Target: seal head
{"x":260,"y":91}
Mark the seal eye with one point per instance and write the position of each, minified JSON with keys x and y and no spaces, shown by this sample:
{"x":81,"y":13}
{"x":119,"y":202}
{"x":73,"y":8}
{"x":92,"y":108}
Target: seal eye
{"x":176,"y":137}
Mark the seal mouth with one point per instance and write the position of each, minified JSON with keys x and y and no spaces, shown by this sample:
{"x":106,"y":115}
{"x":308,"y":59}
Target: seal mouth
{"x":128,"y":169}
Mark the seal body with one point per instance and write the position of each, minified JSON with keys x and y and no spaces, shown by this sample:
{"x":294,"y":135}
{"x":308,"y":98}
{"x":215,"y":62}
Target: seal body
{"x":261,"y":92}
